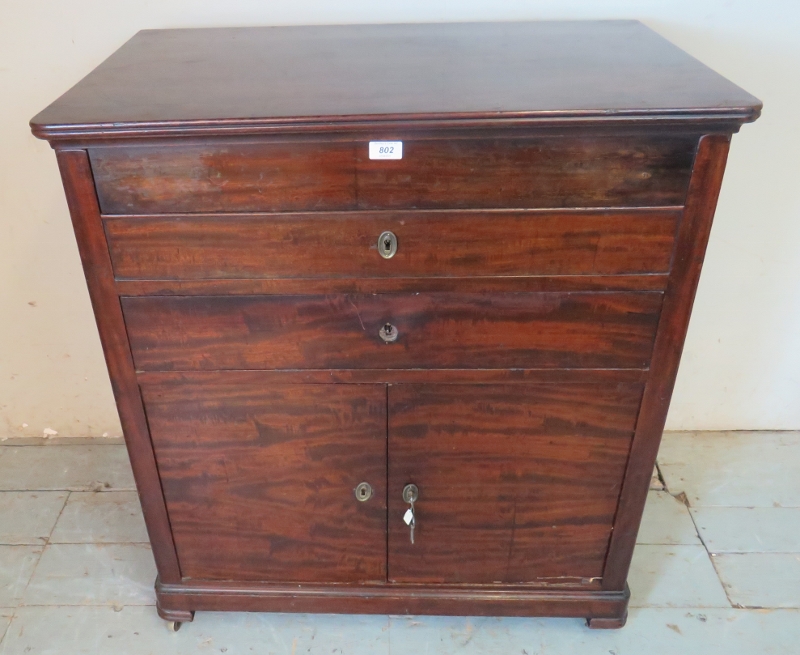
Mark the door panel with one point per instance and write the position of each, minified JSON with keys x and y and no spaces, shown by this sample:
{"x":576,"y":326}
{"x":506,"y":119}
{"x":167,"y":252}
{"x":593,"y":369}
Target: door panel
{"x":516,"y":482}
{"x":260,"y":480}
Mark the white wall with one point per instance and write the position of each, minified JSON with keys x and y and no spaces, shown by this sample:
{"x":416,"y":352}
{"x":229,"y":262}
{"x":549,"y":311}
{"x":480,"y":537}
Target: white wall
{"x":741,"y":367}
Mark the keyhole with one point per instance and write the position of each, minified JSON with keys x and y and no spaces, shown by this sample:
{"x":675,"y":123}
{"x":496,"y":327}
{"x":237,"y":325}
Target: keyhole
{"x":387,"y":244}
{"x":388,"y":333}
{"x":363,"y":492}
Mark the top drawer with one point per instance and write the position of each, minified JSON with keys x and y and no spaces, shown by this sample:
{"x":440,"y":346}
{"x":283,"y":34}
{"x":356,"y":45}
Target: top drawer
{"x":433,"y":174}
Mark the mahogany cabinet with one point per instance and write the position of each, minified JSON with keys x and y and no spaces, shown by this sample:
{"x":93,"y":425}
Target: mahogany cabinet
{"x":393,"y":313}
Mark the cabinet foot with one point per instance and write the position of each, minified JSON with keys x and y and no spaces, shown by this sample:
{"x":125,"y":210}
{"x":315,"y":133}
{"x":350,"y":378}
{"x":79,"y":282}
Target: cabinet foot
{"x":175,"y":617}
{"x":607,"y":624}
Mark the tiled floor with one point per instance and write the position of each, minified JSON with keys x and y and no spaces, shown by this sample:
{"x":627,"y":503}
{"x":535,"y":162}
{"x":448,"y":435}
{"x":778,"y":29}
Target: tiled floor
{"x":721,"y":576}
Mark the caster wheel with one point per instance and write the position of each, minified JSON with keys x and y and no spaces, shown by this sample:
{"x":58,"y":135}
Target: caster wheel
{"x":174,"y":626}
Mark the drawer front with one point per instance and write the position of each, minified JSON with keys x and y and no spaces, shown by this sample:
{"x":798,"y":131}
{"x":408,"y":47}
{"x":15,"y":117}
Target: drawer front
{"x":224,"y":178}
{"x":433,"y":330}
{"x":428,"y":244}
{"x":516,"y":482}
{"x":544,"y":173}
{"x":453,"y":173}
{"x":259,"y":480}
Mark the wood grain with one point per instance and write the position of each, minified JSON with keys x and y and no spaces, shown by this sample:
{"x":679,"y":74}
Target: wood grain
{"x":366,"y":598}
{"x":317,"y":286}
{"x":450,"y":244}
{"x":77,"y":179}
{"x":693,"y":236}
{"x":499,"y":330}
{"x":404,"y":376}
{"x":246,"y":80}
{"x":515,"y":482}
{"x":529,"y":172}
{"x":259,"y":480}
{"x":433,"y":174}
{"x":272,"y":176}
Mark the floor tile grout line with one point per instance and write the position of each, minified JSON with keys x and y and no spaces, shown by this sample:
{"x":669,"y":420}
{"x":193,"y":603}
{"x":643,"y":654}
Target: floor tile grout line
{"x":708,"y":552}
{"x":8,"y":627}
{"x":69,"y":491}
{"x":754,"y":507}
{"x":712,"y":556}
{"x":685,"y":500}
{"x":110,"y":605}
{"x":697,"y":608}
{"x":661,"y":478}
{"x":727,"y":553}
{"x":30,"y":577}
{"x":41,"y":554}
{"x":42,"y":540}
{"x":19,"y":442}
{"x":55,"y":523}
{"x":99,"y":543}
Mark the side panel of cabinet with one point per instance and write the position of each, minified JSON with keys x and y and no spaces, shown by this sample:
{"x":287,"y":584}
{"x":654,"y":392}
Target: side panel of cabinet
{"x":260,"y":480}
{"x":517,"y":483}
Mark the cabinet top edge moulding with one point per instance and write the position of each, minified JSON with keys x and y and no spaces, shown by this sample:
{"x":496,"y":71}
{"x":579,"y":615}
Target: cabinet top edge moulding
{"x":351,"y":78}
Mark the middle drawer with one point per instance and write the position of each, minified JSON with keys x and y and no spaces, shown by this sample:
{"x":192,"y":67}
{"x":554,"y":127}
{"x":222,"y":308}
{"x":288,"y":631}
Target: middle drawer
{"x":393,"y":331}
{"x":428,"y":244}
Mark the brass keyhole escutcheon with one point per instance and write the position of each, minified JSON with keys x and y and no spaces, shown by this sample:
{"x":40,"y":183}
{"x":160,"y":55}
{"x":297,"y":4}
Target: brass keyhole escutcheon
{"x":363,"y":492}
{"x":410,"y":493}
{"x":388,"y":333}
{"x":387,"y":244}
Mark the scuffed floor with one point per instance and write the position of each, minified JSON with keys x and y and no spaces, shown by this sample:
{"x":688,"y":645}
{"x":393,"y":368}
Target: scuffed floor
{"x":717,"y":569}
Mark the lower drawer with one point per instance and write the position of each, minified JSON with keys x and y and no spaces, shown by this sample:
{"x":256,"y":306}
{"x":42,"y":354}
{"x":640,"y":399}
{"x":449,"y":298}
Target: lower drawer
{"x":393,"y":331}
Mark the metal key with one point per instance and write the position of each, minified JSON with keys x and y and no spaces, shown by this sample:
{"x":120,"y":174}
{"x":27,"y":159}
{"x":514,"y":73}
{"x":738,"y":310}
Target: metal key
{"x":410,"y":495}
{"x":410,"y":520}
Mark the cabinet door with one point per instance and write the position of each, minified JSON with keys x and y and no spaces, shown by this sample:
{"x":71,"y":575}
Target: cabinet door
{"x":260,"y":480}
{"x":517,"y":483}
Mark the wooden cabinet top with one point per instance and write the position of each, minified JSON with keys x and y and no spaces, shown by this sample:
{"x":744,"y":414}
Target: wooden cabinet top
{"x":262,"y":79}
